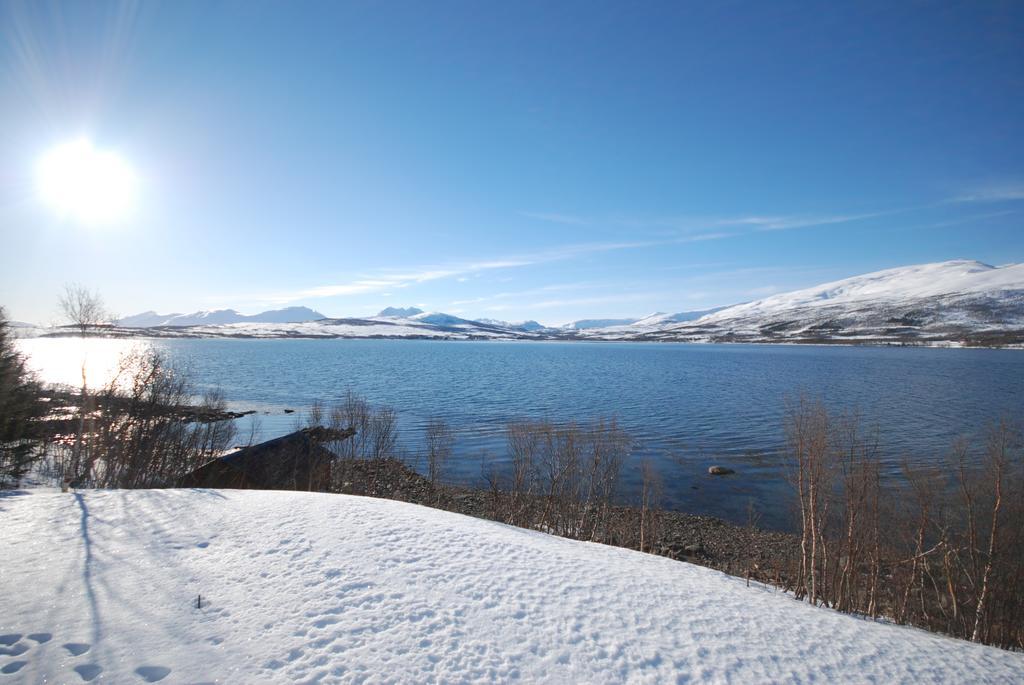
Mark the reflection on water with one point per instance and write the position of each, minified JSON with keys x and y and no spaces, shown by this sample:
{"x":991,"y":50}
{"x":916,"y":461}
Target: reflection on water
{"x":61,"y":361}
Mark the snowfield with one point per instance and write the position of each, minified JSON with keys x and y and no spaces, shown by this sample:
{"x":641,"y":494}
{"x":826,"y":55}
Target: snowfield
{"x":102,"y":586}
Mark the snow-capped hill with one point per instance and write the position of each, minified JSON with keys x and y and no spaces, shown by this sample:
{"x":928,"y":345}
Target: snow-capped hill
{"x":953,"y":278}
{"x":219,"y":317}
{"x":652,"y":319}
{"x":250,"y":586}
{"x":147,"y":319}
{"x":399,"y":312}
{"x":659,"y":318}
{"x":207,"y":318}
{"x":152,"y":319}
{"x":649,"y":324}
{"x":529,"y":326}
{"x":287,"y":315}
{"x":960,"y":301}
{"x":587,"y":324}
{"x":432,"y":325}
{"x":440,"y":319}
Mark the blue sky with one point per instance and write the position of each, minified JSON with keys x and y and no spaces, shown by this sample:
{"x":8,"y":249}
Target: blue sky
{"x":520,"y":160}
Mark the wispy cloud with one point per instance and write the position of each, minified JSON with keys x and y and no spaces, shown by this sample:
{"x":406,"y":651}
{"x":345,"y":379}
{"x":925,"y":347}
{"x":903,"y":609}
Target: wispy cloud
{"x":556,"y":218}
{"x":697,"y":228}
{"x":390,"y":280}
{"x":785,"y":223}
{"x":1002,"y":191}
{"x":974,"y":218}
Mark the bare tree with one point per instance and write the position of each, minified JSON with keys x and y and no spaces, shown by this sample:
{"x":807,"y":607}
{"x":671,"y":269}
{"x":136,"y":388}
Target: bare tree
{"x":83,"y":308}
{"x":440,"y":441}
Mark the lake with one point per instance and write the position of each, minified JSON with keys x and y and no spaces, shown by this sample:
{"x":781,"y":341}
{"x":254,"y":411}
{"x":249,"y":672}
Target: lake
{"x":686,"y":406}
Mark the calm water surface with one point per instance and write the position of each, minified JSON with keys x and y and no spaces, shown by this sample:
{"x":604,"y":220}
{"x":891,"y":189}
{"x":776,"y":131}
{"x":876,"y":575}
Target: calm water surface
{"x":687,"y":406}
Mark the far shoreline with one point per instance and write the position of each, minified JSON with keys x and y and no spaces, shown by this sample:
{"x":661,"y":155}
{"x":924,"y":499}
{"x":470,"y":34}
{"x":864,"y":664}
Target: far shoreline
{"x":137,"y":334}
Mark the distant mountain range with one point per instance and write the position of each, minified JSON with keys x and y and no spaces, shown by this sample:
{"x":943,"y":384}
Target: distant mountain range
{"x":219,"y":317}
{"x":956,"y":302}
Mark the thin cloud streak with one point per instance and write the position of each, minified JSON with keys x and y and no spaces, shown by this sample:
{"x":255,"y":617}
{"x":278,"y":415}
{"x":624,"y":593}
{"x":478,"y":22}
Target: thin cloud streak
{"x":392,"y":280}
{"x":786,"y":223}
{"x":555,"y":218}
{"x":997,"y":192}
{"x":751,"y":223}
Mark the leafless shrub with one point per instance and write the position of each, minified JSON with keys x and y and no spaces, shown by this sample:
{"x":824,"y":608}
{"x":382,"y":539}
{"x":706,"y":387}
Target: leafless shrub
{"x":942,"y":550}
{"x":439,"y":441}
{"x":133,"y":433}
{"x":563,"y":479}
{"x":375,"y":428}
{"x":650,"y":498}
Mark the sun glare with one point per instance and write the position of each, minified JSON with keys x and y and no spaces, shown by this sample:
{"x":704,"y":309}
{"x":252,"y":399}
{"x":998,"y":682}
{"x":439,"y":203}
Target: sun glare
{"x":87,"y":184}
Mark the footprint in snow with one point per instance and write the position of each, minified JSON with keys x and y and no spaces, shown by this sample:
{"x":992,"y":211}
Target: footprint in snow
{"x":152,"y":674}
{"x":40,"y":638}
{"x":9,"y":639}
{"x":17,"y":649}
{"x":88,"y":671}
{"x":77,"y":648}
{"x":12,"y":667}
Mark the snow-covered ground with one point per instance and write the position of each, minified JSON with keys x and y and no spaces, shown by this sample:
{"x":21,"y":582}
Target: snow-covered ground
{"x":301,"y":587}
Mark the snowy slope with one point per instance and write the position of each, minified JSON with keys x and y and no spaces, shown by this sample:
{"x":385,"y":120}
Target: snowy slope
{"x":648,"y":324}
{"x":959,"y":278}
{"x":301,"y":587}
{"x":959,"y":301}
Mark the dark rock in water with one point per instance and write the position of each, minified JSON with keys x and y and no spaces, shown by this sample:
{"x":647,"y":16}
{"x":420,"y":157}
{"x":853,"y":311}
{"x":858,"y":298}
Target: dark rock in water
{"x":289,"y":411}
{"x":720,"y":471}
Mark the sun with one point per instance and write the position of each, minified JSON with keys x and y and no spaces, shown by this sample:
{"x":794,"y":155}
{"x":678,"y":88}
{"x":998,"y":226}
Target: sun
{"x":87,"y":184}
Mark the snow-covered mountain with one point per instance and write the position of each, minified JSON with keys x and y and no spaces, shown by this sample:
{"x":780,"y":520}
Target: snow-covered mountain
{"x":218,"y":317}
{"x":434,"y":325}
{"x":147,"y":319}
{"x":960,"y":301}
{"x":955,"y":302}
{"x":529,"y":326}
{"x":587,"y":324}
{"x":399,"y":312}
